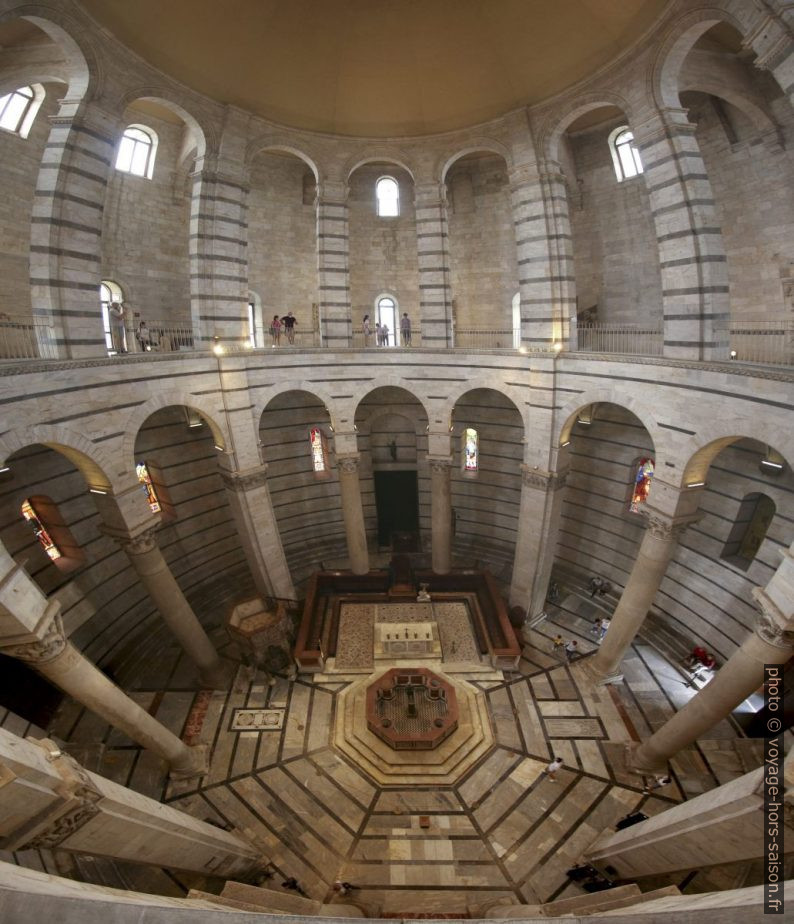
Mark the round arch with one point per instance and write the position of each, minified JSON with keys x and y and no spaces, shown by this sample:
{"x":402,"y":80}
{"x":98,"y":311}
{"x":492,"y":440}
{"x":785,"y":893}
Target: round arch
{"x":557,"y":123}
{"x":743,"y":103}
{"x":91,"y":462}
{"x":475,"y":146}
{"x":387,"y":157}
{"x":266,"y":145}
{"x":567,"y":415}
{"x":480,"y":384}
{"x":167,"y":399}
{"x":204,"y":133}
{"x":266,"y":397}
{"x":390,"y":381}
{"x":697,"y":465}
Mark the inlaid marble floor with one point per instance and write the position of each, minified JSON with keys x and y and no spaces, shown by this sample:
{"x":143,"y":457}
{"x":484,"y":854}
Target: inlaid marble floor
{"x":503,"y":830}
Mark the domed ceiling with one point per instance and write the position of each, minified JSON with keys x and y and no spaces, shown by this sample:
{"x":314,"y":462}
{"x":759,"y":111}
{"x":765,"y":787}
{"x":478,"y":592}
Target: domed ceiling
{"x":377,"y":67}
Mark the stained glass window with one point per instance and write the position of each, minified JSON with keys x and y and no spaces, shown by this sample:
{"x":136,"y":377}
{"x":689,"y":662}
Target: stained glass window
{"x":642,"y":484}
{"x":319,"y":454}
{"x":470,"y":450}
{"x":41,"y":533}
{"x":145,"y":479}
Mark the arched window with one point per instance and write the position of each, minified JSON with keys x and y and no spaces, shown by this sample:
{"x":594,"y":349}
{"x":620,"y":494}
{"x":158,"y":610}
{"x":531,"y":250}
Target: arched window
{"x":625,"y":154}
{"x":18,"y":109}
{"x":641,"y":486}
{"x":255,"y":329}
{"x":749,"y":530}
{"x":109,"y":292}
{"x":319,"y":451}
{"x":386,"y":314}
{"x":387,"y":192}
{"x":53,"y":535}
{"x":142,"y":471}
{"x":136,"y":151}
{"x":471,"y":450}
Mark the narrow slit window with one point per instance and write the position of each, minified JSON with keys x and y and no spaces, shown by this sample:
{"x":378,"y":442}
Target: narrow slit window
{"x":45,"y":540}
{"x":142,"y":470}
{"x":319,"y":451}
{"x":642,"y":484}
{"x":387,"y":192}
{"x":471,"y":450}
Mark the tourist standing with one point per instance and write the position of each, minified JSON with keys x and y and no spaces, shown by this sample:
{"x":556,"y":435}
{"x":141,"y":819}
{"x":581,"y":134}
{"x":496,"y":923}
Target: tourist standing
{"x":289,"y":321}
{"x":116,"y":318}
{"x":384,"y":333}
{"x":571,"y":648}
{"x":405,"y":329}
{"x":365,"y":326}
{"x":144,"y":337}
{"x":275,"y":330}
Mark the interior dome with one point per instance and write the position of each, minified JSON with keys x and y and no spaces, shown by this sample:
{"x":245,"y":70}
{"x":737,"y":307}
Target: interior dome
{"x":370,"y":67}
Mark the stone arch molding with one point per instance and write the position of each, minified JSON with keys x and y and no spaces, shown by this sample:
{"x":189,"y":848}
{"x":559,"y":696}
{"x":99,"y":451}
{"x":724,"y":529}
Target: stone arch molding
{"x":565,"y":418}
{"x":93,"y":463}
{"x":386,"y":153}
{"x":27,"y":74}
{"x":205,"y":134}
{"x":762,"y":122}
{"x":83,"y":71}
{"x":389,"y":381}
{"x":477,"y":383}
{"x":665,"y":66}
{"x":712,"y":439}
{"x":269,"y":142}
{"x":558,"y":121}
{"x":168,"y":399}
{"x":473,"y":145}
{"x":282,"y":388}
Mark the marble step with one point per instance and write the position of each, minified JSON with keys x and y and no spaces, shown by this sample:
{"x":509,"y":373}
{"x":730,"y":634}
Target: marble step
{"x":593,"y":901}
{"x":270,"y":899}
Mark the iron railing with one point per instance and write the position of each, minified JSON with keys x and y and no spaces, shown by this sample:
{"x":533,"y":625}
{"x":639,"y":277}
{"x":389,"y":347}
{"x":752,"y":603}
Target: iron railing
{"x":620,"y":338}
{"x":764,"y":342}
{"x":487,"y":338}
{"x":163,"y":337}
{"x":26,"y":338}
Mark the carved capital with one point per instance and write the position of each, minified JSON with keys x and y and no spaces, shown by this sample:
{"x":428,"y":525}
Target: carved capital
{"x":439,"y":465}
{"x":245,"y":481}
{"x":139,"y":544}
{"x":668,"y":529}
{"x":51,"y":643}
{"x":541,"y":480}
{"x":348,"y":465}
{"x":332,"y":192}
{"x":771,"y":625}
{"x":522,"y":176}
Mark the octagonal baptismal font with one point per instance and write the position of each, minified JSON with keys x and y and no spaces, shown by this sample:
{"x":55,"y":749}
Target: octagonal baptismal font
{"x":411,"y":725}
{"x":412,"y":709}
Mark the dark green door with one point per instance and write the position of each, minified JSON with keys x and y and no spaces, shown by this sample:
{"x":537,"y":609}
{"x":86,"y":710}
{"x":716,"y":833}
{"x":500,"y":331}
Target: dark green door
{"x":397,"y":503}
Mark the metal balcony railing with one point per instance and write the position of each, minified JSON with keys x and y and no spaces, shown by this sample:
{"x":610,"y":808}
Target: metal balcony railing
{"x":763,"y":341}
{"x":26,"y":338}
{"x":487,"y":338}
{"x":163,"y":337}
{"x":620,"y":338}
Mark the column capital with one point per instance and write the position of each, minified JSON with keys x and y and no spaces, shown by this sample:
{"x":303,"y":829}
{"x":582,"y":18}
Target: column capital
{"x":101,"y":122}
{"x":770,"y":41}
{"x":135,"y":543}
{"x":50,"y":643}
{"x":439,"y":465}
{"x":523,"y":175}
{"x":245,"y":480}
{"x":430,"y":194}
{"x":665,"y":527}
{"x":214,"y":169}
{"x":542,"y":480}
{"x":348,"y":463}
{"x":660,"y":123}
{"x":772,"y":625}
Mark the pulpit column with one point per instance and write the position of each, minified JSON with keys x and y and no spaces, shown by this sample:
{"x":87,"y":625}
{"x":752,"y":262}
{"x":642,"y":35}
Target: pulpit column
{"x":353,"y":512}
{"x":441,"y":514}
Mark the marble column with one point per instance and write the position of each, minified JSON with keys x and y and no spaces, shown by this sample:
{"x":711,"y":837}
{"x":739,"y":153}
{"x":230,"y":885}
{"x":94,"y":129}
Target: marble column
{"x":219,"y":253}
{"x":48,"y":801}
{"x":333,"y":270}
{"x":772,"y":642}
{"x":723,"y":825}
{"x":252,"y":510}
{"x":539,"y":517}
{"x":441,"y":514}
{"x":39,"y":640}
{"x":695,"y":299}
{"x":353,"y":512}
{"x":150,"y":566}
{"x":66,"y":230}
{"x":650,"y":566}
{"x":432,"y":246}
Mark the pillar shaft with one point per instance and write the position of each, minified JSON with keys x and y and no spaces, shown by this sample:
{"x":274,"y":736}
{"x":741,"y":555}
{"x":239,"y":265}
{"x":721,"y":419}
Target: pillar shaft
{"x":219,"y":254}
{"x":252,"y":510}
{"x":333,"y":268}
{"x":66,"y":231}
{"x":441,"y":515}
{"x":353,"y":513}
{"x":432,"y":243}
{"x":650,"y":566}
{"x":536,"y":544}
{"x":55,"y":658}
{"x":691,"y":253}
{"x":49,"y":801}
{"x":150,"y":566}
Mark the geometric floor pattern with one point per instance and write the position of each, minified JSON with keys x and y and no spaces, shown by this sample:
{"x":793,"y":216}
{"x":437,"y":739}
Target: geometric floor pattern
{"x":504,"y":830}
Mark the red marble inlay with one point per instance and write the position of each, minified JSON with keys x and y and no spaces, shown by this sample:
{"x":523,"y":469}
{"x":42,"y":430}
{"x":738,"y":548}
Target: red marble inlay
{"x":196,"y":716}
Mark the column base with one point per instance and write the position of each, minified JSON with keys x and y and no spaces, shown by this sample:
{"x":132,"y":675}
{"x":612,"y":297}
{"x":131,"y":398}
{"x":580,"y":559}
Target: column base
{"x":531,"y":621}
{"x":643,"y":767}
{"x":590,"y":673}
{"x":198,"y":764}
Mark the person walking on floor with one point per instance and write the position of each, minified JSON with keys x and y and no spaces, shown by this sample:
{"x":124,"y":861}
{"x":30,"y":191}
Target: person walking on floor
{"x":657,"y":783}
{"x":557,"y":643}
{"x":552,"y":768}
{"x":571,"y":649}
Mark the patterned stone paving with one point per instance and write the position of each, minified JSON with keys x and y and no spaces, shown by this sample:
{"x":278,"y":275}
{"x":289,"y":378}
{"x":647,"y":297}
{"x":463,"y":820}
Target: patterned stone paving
{"x":504,"y":831}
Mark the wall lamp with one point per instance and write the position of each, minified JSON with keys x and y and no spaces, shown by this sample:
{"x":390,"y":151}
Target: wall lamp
{"x":696,"y":484}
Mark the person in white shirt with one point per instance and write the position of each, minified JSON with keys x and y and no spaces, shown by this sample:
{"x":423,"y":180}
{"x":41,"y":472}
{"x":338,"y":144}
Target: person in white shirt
{"x":553,"y":767}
